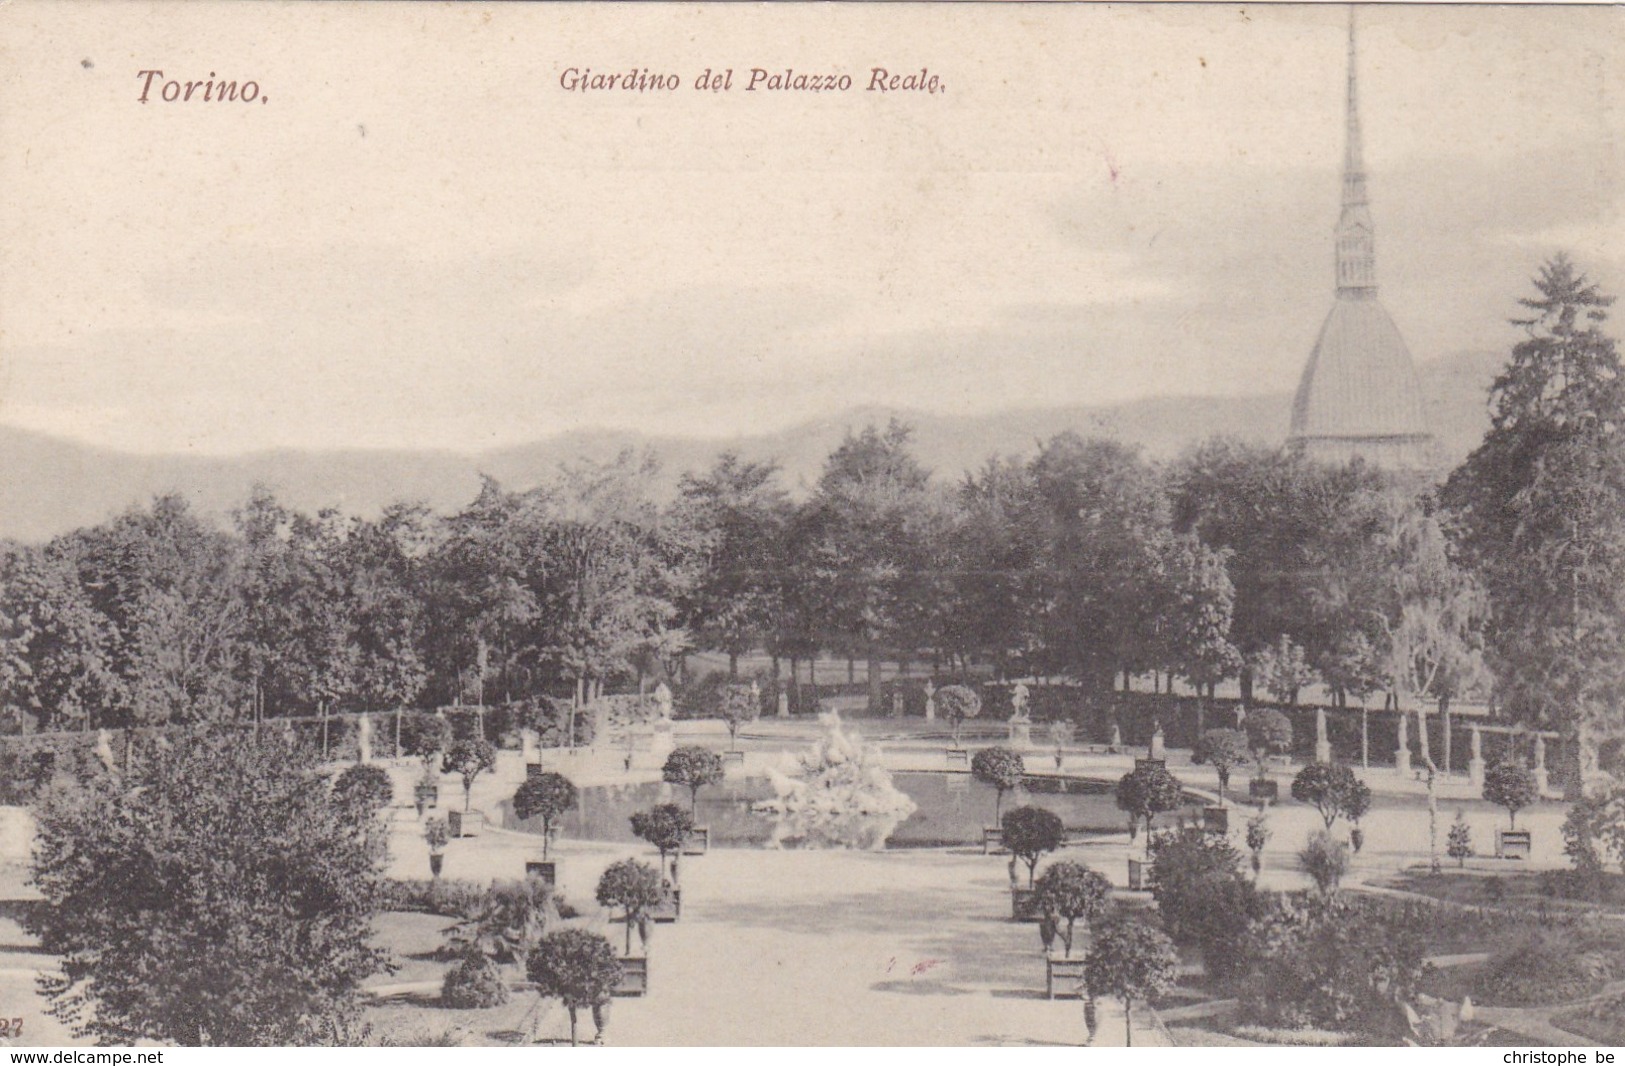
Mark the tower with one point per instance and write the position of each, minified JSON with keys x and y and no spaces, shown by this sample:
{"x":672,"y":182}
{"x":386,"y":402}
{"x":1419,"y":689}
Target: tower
{"x":1358,"y":395}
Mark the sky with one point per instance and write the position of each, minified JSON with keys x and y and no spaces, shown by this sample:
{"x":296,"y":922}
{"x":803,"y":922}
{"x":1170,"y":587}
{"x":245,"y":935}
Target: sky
{"x":420,"y":240}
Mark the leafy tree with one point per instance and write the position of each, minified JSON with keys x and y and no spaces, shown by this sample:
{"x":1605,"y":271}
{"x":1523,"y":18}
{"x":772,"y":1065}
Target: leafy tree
{"x":1201,"y":895}
{"x":425,"y":736}
{"x":1224,"y":749}
{"x":740,"y":704}
{"x":1283,"y":669}
{"x":547,"y":796}
{"x":1196,"y":616}
{"x":1130,"y":960}
{"x":468,"y":759}
{"x":580,"y":969}
{"x":666,"y":826}
{"x":692,"y":767}
{"x":212,"y":895}
{"x":366,"y":785}
{"x":1270,"y":732}
{"x":1147,"y":791}
{"x":55,"y":646}
{"x":1459,"y":845}
{"x":1594,"y":831}
{"x":1332,"y":789}
{"x":1031,"y":833}
{"x":1325,"y":859}
{"x":634,"y":887}
{"x":1068,"y":891}
{"x":1000,"y":768}
{"x":1511,"y":786}
{"x":1541,"y":506}
{"x":957,"y":703}
{"x":997,"y":546}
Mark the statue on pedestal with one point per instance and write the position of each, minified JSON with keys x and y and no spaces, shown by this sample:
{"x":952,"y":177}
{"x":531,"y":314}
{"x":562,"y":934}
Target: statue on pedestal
{"x":930,"y":702}
{"x":364,"y":736}
{"x":1018,"y":701}
{"x":1323,"y":746}
{"x":663,"y":701}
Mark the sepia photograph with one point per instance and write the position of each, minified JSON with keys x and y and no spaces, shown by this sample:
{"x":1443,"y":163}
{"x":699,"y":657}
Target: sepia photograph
{"x":804,"y":525}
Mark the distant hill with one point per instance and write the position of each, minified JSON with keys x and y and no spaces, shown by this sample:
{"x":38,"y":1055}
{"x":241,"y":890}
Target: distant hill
{"x":52,"y":484}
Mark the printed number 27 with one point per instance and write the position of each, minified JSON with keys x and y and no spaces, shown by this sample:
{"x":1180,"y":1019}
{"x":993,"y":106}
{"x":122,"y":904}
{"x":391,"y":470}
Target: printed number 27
{"x":11,"y":1027}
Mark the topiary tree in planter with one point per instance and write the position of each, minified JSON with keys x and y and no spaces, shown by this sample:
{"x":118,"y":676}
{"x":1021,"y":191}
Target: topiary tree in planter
{"x":1031,"y":833}
{"x":739,"y":704}
{"x":664,"y":825}
{"x":1130,"y":961}
{"x":546,"y":796}
{"x":365,"y":785}
{"x":634,"y":887}
{"x":468,"y":759}
{"x":1332,"y":789}
{"x":1270,"y":733}
{"x":1356,"y":805}
{"x":474,"y":983}
{"x":1224,"y":750}
{"x":580,"y":969}
{"x":1001,"y":768}
{"x":957,"y":703}
{"x":437,"y":836}
{"x":1149,"y":790}
{"x":1258,"y":835}
{"x":1511,"y":786}
{"x":692,"y":767}
{"x":1069,"y":891}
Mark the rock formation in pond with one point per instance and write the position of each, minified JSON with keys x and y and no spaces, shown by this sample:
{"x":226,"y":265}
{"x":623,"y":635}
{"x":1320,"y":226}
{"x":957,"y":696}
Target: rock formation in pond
{"x":840,"y":796}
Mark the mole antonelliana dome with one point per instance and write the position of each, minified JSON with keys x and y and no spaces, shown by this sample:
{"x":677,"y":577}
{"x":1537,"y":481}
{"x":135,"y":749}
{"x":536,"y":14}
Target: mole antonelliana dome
{"x":1358,"y":395}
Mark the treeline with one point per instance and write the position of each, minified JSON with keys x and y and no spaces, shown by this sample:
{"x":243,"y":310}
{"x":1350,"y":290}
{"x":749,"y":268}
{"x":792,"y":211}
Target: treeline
{"x":1085,"y":561}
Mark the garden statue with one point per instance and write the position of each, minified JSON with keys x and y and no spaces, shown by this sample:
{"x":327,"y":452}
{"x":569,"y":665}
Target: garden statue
{"x":1540,"y":771}
{"x":1402,"y":753}
{"x":1117,"y":738}
{"x":897,"y":703}
{"x":104,"y":750}
{"x":1475,"y":764}
{"x":784,"y":703}
{"x":755,"y":693}
{"x":840,"y":796}
{"x":363,"y":736}
{"x":930,"y":702}
{"x":1018,"y":700}
{"x":1241,"y":716}
{"x":1158,"y":750}
{"x":663,"y":701}
{"x":1323,"y":746}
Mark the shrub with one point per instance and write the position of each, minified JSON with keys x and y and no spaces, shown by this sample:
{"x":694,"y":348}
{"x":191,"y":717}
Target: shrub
{"x":1031,"y":833}
{"x":1201,"y":895}
{"x":664,"y":825}
{"x":692,"y":767}
{"x":1334,"y":963}
{"x":1270,"y":733}
{"x":473,"y":983}
{"x":1001,"y":768}
{"x":634,"y":887}
{"x":1325,"y":859}
{"x":507,"y":920}
{"x":1224,"y":749}
{"x":957,"y":703}
{"x":1459,"y":842}
{"x":1131,"y":961}
{"x":1332,"y":789}
{"x":440,"y":896}
{"x":546,"y":796}
{"x":1068,"y":891}
{"x":1548,"y":966}
{"x":1511,"y":786}
{"x":468,"y":759}
{"x":1146,"y":792}
{"x":1594,"y":831}
{"x":578,"y":968}
{"x":366,"y":785}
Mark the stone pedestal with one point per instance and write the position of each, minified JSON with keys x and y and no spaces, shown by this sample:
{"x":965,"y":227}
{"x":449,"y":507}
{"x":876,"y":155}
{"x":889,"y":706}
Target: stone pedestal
{"x":364,"y":737}
{"x":1542,"y":784}
{"x":530,"y":746}
{"x":1323,"y":751}
{"x":1157,"y":745}
{"x":661,"y":742}
{"x":784,"y":705}
{"x":1402,"y":763}
{"x":1475,"y":772}
{"x":1021,"y":735}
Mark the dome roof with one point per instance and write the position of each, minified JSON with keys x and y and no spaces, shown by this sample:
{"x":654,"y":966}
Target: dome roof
{"x":1359,"y":381}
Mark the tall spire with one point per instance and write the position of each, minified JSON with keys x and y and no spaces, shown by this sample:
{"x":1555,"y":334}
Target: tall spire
{"x":1356,"y":245}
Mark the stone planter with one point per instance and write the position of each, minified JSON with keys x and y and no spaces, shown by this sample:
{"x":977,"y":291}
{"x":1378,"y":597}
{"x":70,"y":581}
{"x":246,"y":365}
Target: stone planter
{"x":545,"y":872}
{"x":1264,"y":789}
{"x":669,"y":909}
{"x":465,"y":823}
{"x":634,"y":977}
{"x":733,"y":756}
{"x":1146,"y":764}
{"x":533,"y":770}
{"x":1136,"y":874}
{"x":957,"y":757}
{"x":1024,"y":905}
{"x":698,"y":841}
{"x":1513,"y":843}
{"x":437,"y":862}
{"x":1216,"y":819}
{"x":992,"y":840}
{"x":1064,"y":972}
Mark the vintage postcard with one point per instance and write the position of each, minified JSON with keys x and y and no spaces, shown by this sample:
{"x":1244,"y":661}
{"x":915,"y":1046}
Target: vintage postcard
{"x":803,"y":525}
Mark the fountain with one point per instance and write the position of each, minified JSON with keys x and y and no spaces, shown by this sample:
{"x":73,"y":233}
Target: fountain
{"x":840,"y":796}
